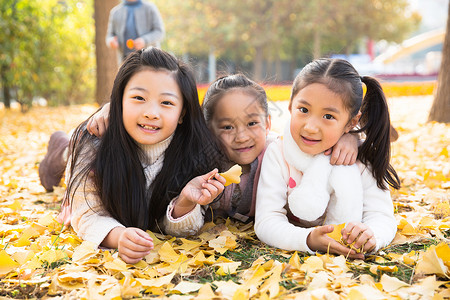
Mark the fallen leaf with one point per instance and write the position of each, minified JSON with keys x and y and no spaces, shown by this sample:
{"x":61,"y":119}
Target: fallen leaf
{"x":7,"y":264}
{"x":391,"y":284}
{"x":430,"y":263}
{"x":167,"y":253}
{"x":336,"y":234}
{"x":186,"y":287}
{"x":312,"y":264}
{"x":233,"y":175}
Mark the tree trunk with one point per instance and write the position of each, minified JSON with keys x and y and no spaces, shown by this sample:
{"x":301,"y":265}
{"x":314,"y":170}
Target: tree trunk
{"x":6,"y":90}
{"x":440,"y":110}
{"x":106,"y":57}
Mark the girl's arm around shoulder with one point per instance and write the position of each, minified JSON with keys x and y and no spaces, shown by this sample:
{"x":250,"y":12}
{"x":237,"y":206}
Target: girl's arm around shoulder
{"x":271,"y":222}
{"x":378,"y":211}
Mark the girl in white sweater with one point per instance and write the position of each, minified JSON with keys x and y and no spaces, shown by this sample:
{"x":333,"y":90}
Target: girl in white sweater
{"x":153,"y":167}
{"x":327,"y":102}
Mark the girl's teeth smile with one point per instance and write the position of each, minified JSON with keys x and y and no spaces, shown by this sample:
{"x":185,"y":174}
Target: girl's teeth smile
{"x":149,"y":127}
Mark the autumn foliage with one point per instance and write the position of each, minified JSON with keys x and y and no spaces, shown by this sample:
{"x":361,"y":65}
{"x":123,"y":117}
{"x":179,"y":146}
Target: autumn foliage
{"x":40,"y":258}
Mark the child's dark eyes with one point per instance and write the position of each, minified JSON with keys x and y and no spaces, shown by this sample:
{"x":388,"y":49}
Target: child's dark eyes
{"x":303,"y":110}
{"x":328,"y":117}
{"x":167,"y":102}
{"x":253,"y":123}
{"x":227,"y":127}
{"x":139,"y":98}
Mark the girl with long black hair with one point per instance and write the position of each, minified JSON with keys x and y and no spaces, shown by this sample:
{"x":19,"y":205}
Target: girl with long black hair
{"x":155,"y":165}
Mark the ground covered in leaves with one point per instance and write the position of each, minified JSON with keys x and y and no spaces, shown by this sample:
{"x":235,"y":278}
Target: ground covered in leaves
{"x":40,"y":259}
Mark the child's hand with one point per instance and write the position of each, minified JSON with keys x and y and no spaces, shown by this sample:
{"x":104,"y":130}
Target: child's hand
{"x":134,"y":244}
{"x":359,"y":233}
{"x":98,"y":123}
{"x":345,"y":151}
{"x":319,"y":240}
{"x":200,"y":190}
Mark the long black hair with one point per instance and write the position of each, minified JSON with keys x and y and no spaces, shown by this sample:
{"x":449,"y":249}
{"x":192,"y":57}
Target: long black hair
{"x":340,"y":76}
{"x":116,"y":167}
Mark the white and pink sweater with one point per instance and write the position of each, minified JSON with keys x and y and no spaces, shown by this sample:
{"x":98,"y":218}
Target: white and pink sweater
{"x":282,"y":222}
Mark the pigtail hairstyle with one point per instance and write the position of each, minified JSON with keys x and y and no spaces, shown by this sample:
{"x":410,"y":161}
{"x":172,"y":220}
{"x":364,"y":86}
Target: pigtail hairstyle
{"x":375,"y":123}
{"x":116,"y":167}
{"x":340,"y":76}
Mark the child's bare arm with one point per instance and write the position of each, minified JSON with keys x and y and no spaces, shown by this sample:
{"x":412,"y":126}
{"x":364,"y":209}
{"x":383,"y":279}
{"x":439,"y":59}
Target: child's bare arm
{"x":345,"y":151}
{"x":98,"y":123}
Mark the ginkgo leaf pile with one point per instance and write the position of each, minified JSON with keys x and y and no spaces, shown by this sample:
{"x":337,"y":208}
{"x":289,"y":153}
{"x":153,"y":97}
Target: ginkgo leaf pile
{"x":38,"y":257}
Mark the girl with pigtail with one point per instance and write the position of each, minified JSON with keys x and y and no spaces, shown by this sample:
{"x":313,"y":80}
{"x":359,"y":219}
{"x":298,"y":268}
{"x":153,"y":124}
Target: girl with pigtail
{"x":300,"y":194}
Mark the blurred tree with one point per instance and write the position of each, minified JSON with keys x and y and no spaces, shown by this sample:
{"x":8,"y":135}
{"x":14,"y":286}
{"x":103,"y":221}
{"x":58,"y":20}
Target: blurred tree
{"x":17,"y":25}
{"x":106,"y":58}
{"x":266,"y":31}
{"x":440,"y":110}
{"x":65,"y":55}
{"x":356,"y":20}
{"x":45,"y":51}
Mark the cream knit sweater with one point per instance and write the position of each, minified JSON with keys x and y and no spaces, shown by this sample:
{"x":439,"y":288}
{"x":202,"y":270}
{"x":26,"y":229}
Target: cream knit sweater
{"x":92,"y":223}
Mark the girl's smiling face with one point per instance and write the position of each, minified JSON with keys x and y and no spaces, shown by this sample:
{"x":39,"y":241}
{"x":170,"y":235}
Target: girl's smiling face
{"x":152,"y":106}
{"x":319,"y":118}
{"x":241,"y":125}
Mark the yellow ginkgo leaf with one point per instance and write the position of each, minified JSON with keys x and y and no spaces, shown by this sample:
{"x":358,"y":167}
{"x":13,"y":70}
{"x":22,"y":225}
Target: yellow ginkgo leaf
{"x":336,"y":234}
{"x":443,"y":252}
{"x":167,"y":254}
{"x":116,"y":265}
{"x":312,"y":264}
{"x":233,"y":175}
{"x":391,"y":284}
{"x":7,"y":264}
{"x":227,"y":268}
{"x":17,"y":205}
{"x":431,"y":263}
{"x":206,"y":292}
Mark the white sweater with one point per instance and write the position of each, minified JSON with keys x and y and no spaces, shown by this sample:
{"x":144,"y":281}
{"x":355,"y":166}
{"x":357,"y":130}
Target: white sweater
{"x":313,"y":181}
{"x":93,"y":223}
{"x":273,"y":227}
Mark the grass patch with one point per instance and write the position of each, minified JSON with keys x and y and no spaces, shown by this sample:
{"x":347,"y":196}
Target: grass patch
{"x":404,"y":273}
{"x":408,"y":247}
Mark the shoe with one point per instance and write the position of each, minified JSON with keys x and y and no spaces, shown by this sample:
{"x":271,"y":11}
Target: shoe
{"x":52,"y":167}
